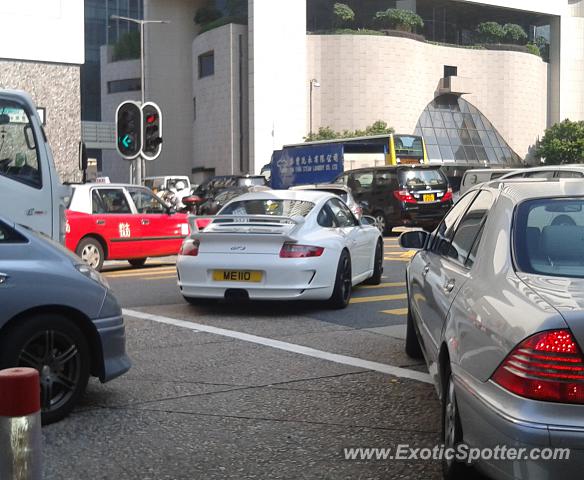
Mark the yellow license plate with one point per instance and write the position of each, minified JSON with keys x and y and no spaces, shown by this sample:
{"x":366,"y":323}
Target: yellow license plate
{"x":428,"y":197}
{"x":236,"y":276}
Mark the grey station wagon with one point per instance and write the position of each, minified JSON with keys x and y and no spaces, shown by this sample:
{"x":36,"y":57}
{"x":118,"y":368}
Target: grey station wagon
{"x":496,"y":308}
{"x":58,"y":316}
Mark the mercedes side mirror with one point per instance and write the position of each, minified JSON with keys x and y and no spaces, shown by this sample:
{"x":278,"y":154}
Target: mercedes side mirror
{"x":415,"y":239}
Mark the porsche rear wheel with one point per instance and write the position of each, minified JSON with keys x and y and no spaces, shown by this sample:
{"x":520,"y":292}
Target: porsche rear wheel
{"x":343,"y":283}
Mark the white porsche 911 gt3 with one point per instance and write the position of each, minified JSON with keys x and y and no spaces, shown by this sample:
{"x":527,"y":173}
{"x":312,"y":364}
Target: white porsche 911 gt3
{"x":281,"y":245}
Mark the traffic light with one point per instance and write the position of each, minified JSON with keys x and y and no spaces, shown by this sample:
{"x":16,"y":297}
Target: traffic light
{"x":129,"y":130}
{"x":152,"y":125}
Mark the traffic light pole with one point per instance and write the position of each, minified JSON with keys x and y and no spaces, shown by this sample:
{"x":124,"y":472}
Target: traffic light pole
{"x":139,"y":170}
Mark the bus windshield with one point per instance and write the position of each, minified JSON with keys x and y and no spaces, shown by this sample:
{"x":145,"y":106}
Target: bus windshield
{"x":408,"y":145}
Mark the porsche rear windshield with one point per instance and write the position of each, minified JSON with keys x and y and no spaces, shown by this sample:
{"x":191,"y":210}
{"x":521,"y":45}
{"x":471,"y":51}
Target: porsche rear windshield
{"x":276,"y":207}
{"x":421,"y":176}
{"x":549,"y":237}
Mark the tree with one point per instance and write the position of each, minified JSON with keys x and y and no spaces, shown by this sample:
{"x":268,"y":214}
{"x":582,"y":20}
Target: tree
{"x":403,"y":20}
{"x":237,"y":8}
{"x":326,"y":133}
{"x":344,"y":14}
{"x":491,"y":32}
{"x":562,"y":143}
{"x":515,"y":34}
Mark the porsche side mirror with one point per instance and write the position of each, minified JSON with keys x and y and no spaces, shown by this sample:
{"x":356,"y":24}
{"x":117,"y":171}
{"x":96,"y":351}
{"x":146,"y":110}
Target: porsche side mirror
{"x":416,"y":239}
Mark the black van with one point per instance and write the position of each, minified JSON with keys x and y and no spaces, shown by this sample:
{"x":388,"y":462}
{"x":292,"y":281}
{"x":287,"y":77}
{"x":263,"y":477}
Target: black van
{"x":411,"y":195}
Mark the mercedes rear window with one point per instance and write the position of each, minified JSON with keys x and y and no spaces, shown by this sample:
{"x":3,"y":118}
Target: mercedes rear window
{"x":421,"y":176}
{"x":549,"y":237}
{"x":276,"y":207}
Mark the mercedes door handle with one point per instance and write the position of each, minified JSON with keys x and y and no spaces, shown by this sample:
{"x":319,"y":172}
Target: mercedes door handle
{"x":3,"y":278}
{"x":425,"y":271}
{"x":145,"y":222}
{"x":449,"y":286}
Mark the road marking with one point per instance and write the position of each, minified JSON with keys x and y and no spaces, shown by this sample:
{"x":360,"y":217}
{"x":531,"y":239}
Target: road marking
{"x":396,"y":311}
{"x":151,"y":279}
{"x":379,"y":298}
{"x":134,"y":273}
{"x":288,"y":347}
{"x":402,"y":253}
{"x":384,"y":285}
{"x":397,"y":259}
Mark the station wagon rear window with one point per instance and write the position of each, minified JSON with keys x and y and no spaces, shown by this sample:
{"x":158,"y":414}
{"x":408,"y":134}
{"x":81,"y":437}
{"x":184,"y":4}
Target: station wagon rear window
{"x":549,"y":237}
{"x":276,"y":207}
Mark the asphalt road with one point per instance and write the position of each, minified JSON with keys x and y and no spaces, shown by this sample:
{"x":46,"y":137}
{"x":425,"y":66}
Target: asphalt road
{"x":231,"y":391}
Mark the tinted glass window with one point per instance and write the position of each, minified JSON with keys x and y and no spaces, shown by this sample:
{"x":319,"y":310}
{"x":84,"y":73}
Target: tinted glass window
{"x":325,"y":217}
{"x":9,"y":235}
{"x":18,"y":146}
{"x":206,"y":64}
{"x":113,"y":200}
{"x":544,"y":174}
{"x":361,"y":181}
{"x":285,"y":208}
{"x":421,"y":176}
{"x":446,"y":228}
{"x":343,"y":216}
{"x":568,"y":174}
{"x":385,"y":177}
{"x":146,"y":202}
{"x":469,"y":227}
{"x":549,"y":237}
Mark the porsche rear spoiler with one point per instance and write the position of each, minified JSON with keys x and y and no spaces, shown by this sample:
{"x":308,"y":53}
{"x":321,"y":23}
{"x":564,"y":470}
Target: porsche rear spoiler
{"x":246,"y":224}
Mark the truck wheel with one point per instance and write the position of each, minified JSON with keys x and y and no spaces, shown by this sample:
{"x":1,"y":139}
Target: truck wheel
{"x":91,"y":252}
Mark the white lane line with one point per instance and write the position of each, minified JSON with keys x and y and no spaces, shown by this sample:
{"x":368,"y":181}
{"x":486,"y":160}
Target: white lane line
{"x":289,"y":347}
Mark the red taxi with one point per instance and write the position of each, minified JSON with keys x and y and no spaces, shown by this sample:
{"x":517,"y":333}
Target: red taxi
{"x":122,"y":222}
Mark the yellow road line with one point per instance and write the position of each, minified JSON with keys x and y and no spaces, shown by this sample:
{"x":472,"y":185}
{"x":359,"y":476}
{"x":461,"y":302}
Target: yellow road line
{"x":139,"y":273}
{"x":398,"y":259}
{"x":150,"y":279}
{"x":396,"y":311}
{"x":384,"y":285}
{"x":379,"y":298}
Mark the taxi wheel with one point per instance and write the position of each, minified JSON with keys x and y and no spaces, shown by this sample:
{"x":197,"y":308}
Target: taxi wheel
{"x":137,"y":262}
{"x":91,"y":252}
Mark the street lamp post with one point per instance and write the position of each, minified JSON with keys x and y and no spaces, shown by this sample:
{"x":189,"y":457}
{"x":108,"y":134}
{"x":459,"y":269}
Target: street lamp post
{"x":313,"y":84}
{"x":139,"y":161}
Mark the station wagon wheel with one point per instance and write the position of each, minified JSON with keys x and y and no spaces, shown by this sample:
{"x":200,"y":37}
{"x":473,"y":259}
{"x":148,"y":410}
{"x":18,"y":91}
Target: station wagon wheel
{"x":91,"y":252}
{"x":343,"y":283}
{"x":382,"y":223}
{"x":57,"y":349}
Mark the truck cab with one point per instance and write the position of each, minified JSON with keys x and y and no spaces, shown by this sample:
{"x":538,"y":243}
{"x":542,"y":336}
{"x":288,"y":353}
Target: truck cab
{"x":31,"y":192}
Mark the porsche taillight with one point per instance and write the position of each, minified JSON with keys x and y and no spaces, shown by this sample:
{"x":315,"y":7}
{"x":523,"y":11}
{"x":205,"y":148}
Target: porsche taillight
{"x":294,"y":250}
{"x":547,"y":366}
{"x":189,"y":248}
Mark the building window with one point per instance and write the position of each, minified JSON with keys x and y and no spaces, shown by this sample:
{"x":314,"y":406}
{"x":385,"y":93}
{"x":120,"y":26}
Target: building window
{"x":128,"y":85}
{"x":450,"y":71}
{"x":194,"y":108}
{"x":206,"y":64}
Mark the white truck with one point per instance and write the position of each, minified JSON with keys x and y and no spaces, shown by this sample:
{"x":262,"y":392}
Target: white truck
{"x":31,"y":192}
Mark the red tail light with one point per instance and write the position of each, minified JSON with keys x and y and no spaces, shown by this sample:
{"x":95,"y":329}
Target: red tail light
{"x":190,"y":248}
{"x":547,"y":366}
{"x":404,"y":196}
{"x":447,"y":196}
{"x":293,"y":250}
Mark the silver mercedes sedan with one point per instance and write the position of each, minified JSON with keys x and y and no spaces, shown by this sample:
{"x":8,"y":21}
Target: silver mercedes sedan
{"x":496,"y":308}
